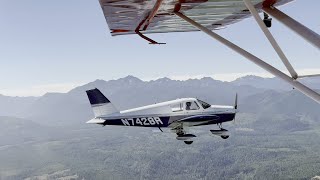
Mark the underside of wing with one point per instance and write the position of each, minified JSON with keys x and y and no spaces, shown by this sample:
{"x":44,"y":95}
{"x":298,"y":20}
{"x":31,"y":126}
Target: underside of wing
{"x":157,"y":16}
{"x":196,"y":120}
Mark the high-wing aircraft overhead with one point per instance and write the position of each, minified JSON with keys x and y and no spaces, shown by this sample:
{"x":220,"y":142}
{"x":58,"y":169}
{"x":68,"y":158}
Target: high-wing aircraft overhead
{"x":175,"y":114}
{"x":157,"y":16}
{"x":164,"y":16}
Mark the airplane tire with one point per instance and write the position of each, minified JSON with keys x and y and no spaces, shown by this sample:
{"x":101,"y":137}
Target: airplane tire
{"x":188,"y":142}
{"x":267,"y":22}
{"x":225,"y":137}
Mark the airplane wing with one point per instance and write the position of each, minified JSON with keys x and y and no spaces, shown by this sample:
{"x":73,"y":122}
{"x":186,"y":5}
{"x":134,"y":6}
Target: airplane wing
{"x":195,"y":120}
{"x":157,"y":16}
{"x":163,"y":16}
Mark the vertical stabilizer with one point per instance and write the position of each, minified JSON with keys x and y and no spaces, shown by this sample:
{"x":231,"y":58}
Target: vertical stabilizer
{"x":99,"y":103}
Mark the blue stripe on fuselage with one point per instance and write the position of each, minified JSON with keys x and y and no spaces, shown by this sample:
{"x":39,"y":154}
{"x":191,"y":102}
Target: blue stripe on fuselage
{"x":222,"y":118}
{"x":154,"y":121}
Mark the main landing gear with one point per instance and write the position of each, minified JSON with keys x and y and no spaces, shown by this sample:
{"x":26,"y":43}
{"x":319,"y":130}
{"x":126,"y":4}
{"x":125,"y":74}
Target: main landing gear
{"x":186,"y":138}
{"x":223,"y":133}
{"x":182,"y":136}
{"x":188,"y":142}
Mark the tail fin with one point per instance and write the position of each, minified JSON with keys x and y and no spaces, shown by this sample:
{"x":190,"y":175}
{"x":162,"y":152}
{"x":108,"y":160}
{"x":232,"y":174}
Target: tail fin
{"x":99,"y":103}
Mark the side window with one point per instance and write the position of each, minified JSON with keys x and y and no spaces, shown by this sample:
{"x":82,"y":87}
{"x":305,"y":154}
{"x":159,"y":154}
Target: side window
{"x":176,"y":107}
{"x":192,"y":105}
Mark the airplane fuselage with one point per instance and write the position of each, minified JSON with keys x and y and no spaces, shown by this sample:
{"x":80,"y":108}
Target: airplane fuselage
{"x":168,"y":115}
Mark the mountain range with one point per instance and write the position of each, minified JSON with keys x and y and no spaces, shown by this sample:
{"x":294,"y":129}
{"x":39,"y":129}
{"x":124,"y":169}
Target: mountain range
{"x":256,"y":94}
{"x":275,"y":134}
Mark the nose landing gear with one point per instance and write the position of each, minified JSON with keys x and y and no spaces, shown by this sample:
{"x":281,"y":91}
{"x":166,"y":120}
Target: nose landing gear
{"x":223,"y":133}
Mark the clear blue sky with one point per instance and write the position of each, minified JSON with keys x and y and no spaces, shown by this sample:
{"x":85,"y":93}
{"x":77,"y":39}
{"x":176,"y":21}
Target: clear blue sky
{"x":54,"y":45}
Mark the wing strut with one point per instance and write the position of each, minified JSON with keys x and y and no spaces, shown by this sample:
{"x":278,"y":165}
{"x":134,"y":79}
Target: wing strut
{"x":297,"y":27}
{"x":299,"y":86}
{"x":271,"y":39}
{"x":147,"y":21}
{"x":151,"y":41}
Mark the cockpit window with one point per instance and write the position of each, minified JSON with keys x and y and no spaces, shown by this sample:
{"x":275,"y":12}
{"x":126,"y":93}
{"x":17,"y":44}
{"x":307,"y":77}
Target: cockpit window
{"x":192,"y":105}
{"x":177,"y":107}
{"x":204,"y":104}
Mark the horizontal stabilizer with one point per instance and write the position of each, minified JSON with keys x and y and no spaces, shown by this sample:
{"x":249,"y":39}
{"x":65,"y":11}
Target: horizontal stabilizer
{"x":96,"y":121}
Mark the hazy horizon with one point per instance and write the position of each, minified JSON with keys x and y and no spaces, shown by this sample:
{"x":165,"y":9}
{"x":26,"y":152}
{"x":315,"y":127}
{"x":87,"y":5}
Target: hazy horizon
{"x":37,"y":91}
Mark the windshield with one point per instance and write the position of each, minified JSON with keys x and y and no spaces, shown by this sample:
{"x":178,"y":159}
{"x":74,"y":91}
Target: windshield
{"x":192,"y":105}
{"x":204,"y":104}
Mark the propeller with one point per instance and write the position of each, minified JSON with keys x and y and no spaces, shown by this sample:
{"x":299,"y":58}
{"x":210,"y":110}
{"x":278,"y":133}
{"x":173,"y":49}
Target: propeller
{"x":235,"y":107}
{"x":236,"y":102}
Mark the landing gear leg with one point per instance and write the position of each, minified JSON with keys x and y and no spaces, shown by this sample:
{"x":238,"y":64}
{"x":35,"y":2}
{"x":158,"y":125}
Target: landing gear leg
{"x":180,"y":131}
{"x":221,"y":128}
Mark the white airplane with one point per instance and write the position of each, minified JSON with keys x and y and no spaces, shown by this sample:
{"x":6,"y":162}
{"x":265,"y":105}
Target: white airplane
{"x":175,"y":114}
{"x":166,"y":16}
